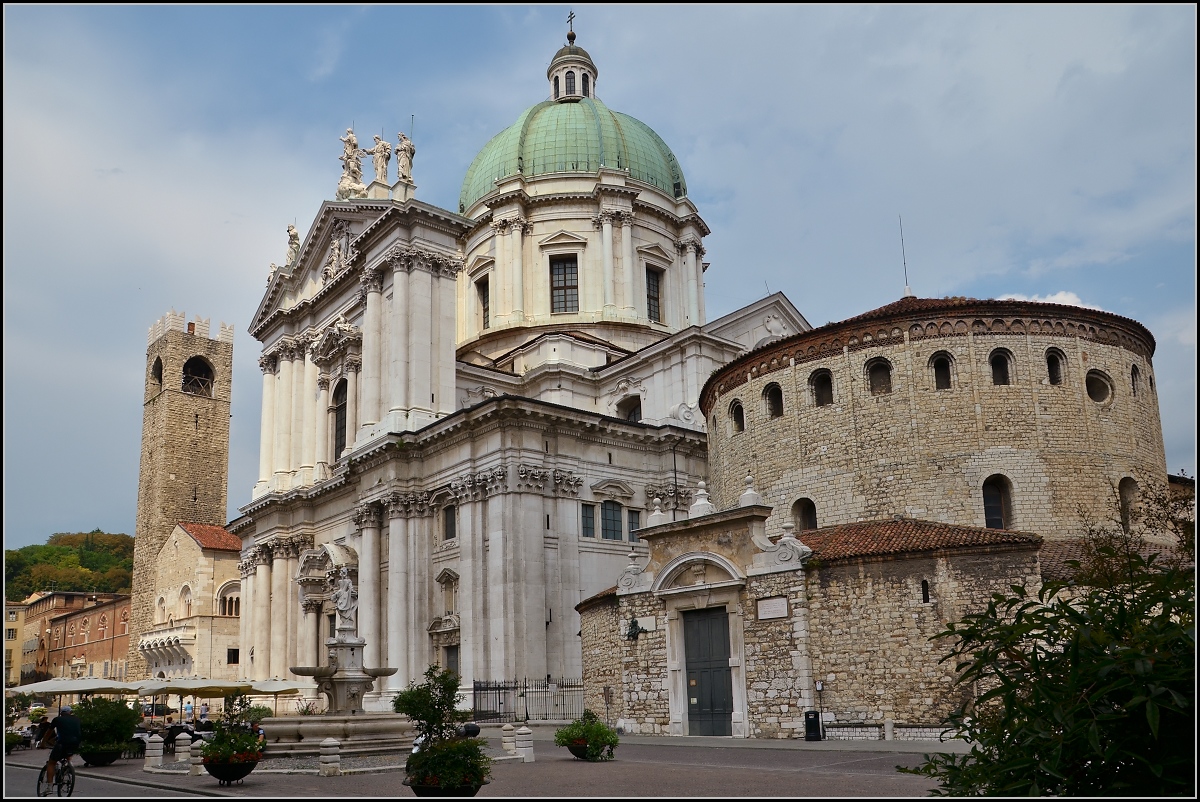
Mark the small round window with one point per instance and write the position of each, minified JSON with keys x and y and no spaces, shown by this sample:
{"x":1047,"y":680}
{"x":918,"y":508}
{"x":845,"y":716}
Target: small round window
{"x":1099,"y":388}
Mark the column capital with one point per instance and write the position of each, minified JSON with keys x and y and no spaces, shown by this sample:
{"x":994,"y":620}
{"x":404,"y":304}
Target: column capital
{"x":626,"y":219}
{"x":261,"y":555}
{"x":311,"y":605}
{"x":353,"y":364}
{"x":499,"y":226}
{"x":323,"y":381}
{"x":690,"y":242}
{"x":371,"y":279}
{"x":605,"y":216}
{"x":268,"y":363}
{"x":367,"y":515}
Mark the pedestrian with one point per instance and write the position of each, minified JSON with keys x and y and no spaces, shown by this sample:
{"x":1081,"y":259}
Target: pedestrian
{"x":204,"y":711}
{"x":187,"y":711}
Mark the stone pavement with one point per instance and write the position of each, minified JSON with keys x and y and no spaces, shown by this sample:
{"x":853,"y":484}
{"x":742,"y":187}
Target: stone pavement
{"x":645,"y":766}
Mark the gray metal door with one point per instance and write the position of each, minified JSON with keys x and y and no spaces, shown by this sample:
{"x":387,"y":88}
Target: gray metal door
{"x":709,"y":681}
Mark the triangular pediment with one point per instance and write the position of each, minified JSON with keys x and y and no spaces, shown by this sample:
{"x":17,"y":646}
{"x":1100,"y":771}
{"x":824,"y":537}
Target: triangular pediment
{"x":655,"y":252}
{"x":563,"y":237}
{"x":612,"y":488}
{"x":480,"y":263}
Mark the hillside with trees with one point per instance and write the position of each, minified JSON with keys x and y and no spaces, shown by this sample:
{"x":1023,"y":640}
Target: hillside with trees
{"x":79,"y":561}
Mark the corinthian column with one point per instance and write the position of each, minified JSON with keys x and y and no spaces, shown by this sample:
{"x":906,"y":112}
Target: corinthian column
{"x":310,"y":635}
{"x":279,"y":607}
{"x":372,"y":284}
{"x":299,"y":371}
{"x":309,"y":399}
{"x":246,"y":617}
{"x":283,"y":418}
{"x":606,"y":249}
{"x":397,"y":610}
{"x":502,"y":300}
{"x":516,"y":245}
{"x":292,"y":591}
{"x":689,"y":270}
{"x":266,"y":434}
{"x":352,"y":367}
{"x":368,"y":583}
{"x":262,"y":613}
{"x":398,"y":356}
{"x":628,"y":266}
{"x":322,"y":434}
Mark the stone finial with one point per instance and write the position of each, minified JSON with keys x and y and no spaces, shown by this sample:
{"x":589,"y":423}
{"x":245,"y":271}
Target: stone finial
{"x":701,"y":506}
{"x":658,"y":516}
{"x":750,"y":496}
{"x":789,"y":530}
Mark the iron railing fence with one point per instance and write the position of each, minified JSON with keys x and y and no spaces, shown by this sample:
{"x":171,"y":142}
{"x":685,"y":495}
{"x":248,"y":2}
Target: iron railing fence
{"x":528,"y":700}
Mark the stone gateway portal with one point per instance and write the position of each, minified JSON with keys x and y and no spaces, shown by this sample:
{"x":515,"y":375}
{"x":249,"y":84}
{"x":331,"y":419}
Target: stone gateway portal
{"x":709,"y":682}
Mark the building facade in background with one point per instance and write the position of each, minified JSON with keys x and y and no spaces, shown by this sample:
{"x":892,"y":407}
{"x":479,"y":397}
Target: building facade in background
{"x":14,"y":638}
{"x":76,"y":634}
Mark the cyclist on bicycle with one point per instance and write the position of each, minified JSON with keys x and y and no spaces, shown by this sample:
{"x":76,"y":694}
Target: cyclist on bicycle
{"x":69,"y":733}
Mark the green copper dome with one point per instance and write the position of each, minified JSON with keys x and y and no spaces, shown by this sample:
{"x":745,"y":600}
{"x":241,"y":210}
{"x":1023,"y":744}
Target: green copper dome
{"x":573,"y":137}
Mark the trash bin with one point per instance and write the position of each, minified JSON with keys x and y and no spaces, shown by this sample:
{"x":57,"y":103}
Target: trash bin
{"x":812,"y":726}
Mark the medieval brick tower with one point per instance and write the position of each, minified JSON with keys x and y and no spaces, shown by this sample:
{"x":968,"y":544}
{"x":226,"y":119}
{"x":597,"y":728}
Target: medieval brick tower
{"x":185,"y":449}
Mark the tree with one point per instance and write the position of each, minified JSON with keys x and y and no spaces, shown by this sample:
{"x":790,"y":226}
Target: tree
{"x":1088,"y":686}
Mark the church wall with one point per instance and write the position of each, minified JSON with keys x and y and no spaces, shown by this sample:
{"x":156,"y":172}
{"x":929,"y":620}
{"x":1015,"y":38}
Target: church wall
{"x":925,"y":453}
{"x":869,"y":634}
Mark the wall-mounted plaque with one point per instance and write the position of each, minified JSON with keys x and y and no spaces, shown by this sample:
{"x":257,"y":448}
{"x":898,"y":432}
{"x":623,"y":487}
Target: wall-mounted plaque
{"x":776,"y":607}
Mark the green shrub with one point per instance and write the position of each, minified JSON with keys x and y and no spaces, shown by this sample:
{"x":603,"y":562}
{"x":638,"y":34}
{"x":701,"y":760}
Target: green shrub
{"x":107,"y":724}
{"x":443,"y":759}
{"x":11,"y":739}
{"x":257,"y":713}
{"x":588,"y":729}
{"x":233,"y":741}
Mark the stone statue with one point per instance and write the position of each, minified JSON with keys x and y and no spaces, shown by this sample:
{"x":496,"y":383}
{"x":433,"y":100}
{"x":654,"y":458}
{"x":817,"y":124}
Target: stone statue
{"x":345,"y":599}
{"x":293,"y":249}
{"x":381,"y":154}
{"x":334,"y":263}
{"x":271,"y":274}
{"x":404,"y":157}
{"x":351,"y":185}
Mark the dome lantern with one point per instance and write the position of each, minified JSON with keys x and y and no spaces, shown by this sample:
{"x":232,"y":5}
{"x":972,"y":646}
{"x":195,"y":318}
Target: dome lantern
{"x":571,"y":73}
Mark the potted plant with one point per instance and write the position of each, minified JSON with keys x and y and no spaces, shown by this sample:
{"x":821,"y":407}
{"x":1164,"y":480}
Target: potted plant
{"x":588,"y":738}
{"x":442,"y":762}
{"x":235,"y":748}
{"x":108,"y":726}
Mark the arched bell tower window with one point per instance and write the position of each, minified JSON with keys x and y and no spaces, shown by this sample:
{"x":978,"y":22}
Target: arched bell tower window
{"x":156,"y":374}
{"x":1127,"y":492}
{"x":1054,"y":366}
{"x":940,"y":362}
{"x":879,"y":376}
{"x":821,"y":382}
{"x":737,"y":417}
{"x":1001,"y":362}
{"x":198,"y":377}
{"x":1135,"y":376}
{"x":773,"y":400}
{"x":570,"y":83}
{"x":804,"y":515}
{"x":339,"y":419}
{"x":585,"y":85}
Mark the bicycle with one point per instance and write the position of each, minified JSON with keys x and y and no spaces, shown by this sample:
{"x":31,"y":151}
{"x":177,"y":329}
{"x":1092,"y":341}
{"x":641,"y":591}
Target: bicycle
{"x":64,"y":778}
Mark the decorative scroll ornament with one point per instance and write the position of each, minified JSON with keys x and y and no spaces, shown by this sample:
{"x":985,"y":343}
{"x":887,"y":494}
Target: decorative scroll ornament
{"x":474,"y":396}
{"x":635,"y":578}
{"x":786,"y":554}
{"x":685,"y":412}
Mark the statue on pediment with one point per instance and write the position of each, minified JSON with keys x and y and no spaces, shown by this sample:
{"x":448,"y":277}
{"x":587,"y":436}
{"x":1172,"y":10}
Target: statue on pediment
{"x":351,"y":185}
{"x":293,"y":249}
{"x":405,"y":151}
{"x":381,"y":154}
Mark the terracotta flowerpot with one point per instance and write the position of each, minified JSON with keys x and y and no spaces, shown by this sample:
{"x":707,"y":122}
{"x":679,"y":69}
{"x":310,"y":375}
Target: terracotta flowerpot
{"x":229,"y":773}
{"x":104,"y":758}
{"x":437,"y":790}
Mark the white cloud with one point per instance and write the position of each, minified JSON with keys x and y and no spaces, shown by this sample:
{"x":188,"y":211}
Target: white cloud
{"x":1062,"y":297}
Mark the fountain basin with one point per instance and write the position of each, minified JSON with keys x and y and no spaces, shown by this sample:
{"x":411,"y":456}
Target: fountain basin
{"x":359,"y":734}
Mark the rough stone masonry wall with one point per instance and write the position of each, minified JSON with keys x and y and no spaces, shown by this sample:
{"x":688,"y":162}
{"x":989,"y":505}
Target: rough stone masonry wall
{"x":184,"y":464}
{"x":870,"y":630}
{"x":925,"y":453}
{"x":778,"y":673}
{"x":599,"y":634}
{"x":644,"y":668}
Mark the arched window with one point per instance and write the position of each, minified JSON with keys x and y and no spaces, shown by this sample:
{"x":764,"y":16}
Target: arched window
{"x":1135,"y":376}
{"x":161,"y":607}
{"x":229,"y":600}
{"x":737,"y":417}
{"x":630,"y":408}
{"x":156,"y":374}
{"x":1127,"y":491}
{"x":1055,"y":363}
{"x":339,"y":419}
{"x":940,"y":362}
{"x":1001,"y":362}
{"x":804,"y":514}
{"x":610,"y":521}
{"x":185,"y":602}
{"x":586,"y":93}
{"x":570,"y":83}
{"x":879,"y":376}
{"x":773,"y":400}
{"x":1099,"y":387}
{"x":125,"y":621}
{"x":449,"y":522}
{"x":556,"y":87}
{"x":997,"y":502}
{"x":821,"y":382}
{"x":198,"y":377}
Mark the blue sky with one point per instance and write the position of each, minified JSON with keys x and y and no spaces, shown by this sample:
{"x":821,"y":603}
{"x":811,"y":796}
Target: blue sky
{"x":153,"y":158}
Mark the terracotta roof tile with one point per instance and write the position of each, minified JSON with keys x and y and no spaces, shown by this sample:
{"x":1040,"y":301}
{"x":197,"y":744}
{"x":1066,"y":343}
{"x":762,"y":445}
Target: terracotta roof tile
{"x":1055,"y":553}
{"x":590,"y":600}
{"x":879,"y":538}
{"x":212,"y":537}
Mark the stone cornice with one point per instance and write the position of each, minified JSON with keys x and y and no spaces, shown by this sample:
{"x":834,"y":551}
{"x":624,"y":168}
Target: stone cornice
{"x":930,"y":320}
{"x":413,"y":257}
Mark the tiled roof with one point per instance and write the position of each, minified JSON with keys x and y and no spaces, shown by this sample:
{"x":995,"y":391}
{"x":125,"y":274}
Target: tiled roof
{"x":1055,"y":553}
{"x":212,"y":537}
{"x":598,"y":597}
{"x":905,"y":536}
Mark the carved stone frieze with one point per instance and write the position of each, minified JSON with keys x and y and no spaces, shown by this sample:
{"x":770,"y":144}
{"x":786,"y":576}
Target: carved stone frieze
{"x":408,"y":258}
{"x":409,"y":505}
{"x":529,"y":477}
{"x":673,"y":497}
{"x":566,"y":483}
{"x":337,"y":340}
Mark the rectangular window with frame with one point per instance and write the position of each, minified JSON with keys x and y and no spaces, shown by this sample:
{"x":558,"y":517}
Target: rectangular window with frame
{"x":449,"y":532}
{"x":485,"y":304}
{"x":610,"y":521}
{"x":10,"y":634}
{"x":564,"y":284}
{"x":589,"y":520}
{"x":232,"y":656}
{"x":12,"y":615}
{"x":654,"y":294}
{"x":635,"y":523}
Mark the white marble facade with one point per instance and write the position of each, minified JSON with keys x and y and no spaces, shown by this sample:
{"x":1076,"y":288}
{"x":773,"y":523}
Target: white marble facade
{"x":479,"y":480}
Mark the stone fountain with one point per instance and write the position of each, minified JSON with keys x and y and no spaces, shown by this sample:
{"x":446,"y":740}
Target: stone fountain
{"x":344,"y":681}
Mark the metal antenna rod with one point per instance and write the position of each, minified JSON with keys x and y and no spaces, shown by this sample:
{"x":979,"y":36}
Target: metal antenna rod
{"x":903,"y":257}
{"x":412,"y":124}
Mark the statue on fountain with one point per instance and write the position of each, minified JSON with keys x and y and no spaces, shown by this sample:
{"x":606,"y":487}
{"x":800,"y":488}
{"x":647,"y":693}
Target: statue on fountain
{"x":345,"y":601}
